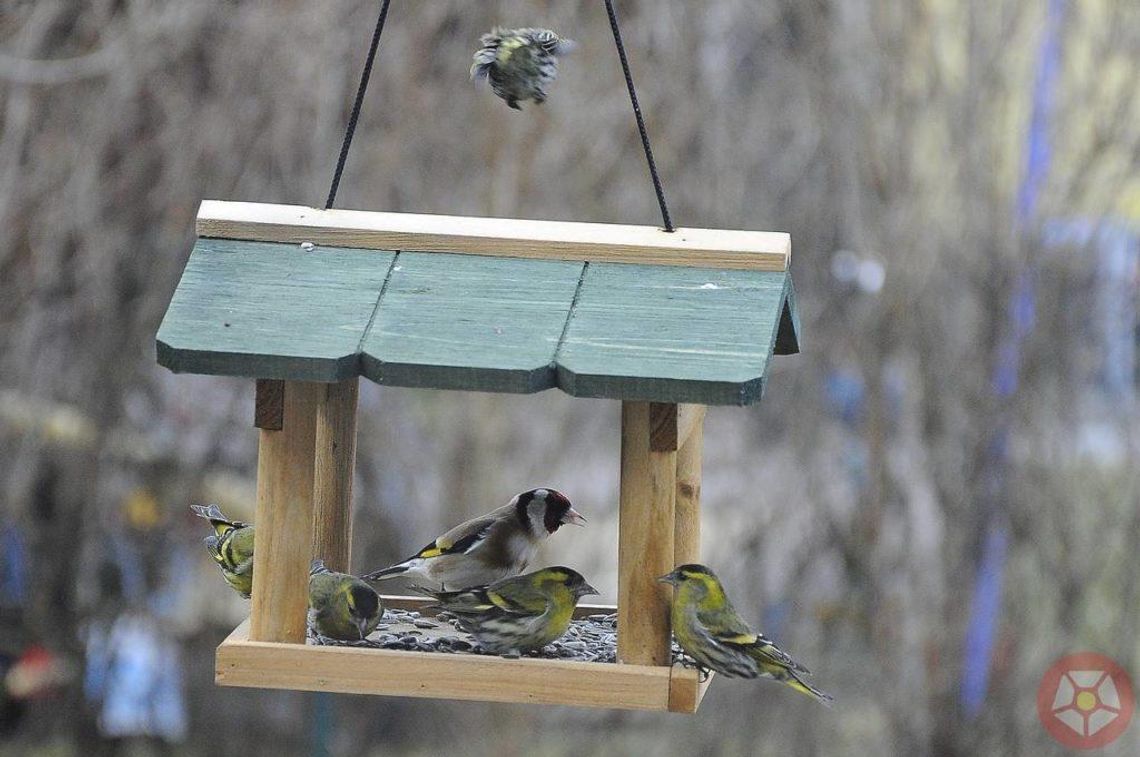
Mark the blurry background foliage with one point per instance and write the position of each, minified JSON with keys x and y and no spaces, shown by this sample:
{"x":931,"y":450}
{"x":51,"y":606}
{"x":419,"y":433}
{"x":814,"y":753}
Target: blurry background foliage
{"x":933,"y":502}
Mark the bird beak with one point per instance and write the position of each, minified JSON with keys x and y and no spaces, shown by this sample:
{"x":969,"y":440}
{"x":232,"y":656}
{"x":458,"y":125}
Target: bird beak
{"x":574,"y":518}
{"x":668,"y":578}
{"x":588,"y":590}
{"x":362,"y":626}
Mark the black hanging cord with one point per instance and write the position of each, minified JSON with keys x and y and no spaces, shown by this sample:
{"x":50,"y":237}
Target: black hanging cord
{"x":352,"y":119}
{"x":640,"y":119}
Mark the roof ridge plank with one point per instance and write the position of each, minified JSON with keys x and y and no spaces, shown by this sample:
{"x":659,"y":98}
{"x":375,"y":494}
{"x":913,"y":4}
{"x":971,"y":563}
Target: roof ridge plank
{"x":497,"y":237}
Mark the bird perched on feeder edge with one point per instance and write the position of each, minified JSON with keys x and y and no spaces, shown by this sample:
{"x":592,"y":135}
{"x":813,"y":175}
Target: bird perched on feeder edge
{"x":341,"y":606}
{"x":711,"y":632}
{"x":231,"y":546}
{"x":483,"y":550}
{"x":519,"y":63}
{"x":519,"y":614}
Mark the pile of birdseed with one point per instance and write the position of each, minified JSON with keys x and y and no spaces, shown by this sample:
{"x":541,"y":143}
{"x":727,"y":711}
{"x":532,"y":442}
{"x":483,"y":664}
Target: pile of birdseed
{"x":590,"y":639}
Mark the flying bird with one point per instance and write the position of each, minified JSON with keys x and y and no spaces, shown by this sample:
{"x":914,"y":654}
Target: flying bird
{"x":519,"y":63}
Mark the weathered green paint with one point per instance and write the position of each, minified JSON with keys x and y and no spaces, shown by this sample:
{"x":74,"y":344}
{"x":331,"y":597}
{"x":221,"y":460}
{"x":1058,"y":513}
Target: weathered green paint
{"x":271,"y":310}
{"x":671,"y":334}
{"x":441,"y":321}
{"x":470,"y":322}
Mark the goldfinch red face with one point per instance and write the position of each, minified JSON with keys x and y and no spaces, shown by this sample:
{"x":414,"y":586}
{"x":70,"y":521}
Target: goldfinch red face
{"x":544,"y":511}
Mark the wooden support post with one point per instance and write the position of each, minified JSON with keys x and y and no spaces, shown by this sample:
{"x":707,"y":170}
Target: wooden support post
{"x":284,"y":519}
{"x":334,"y":467}
{"x":645,"y":531}
{"x":687,"y":528}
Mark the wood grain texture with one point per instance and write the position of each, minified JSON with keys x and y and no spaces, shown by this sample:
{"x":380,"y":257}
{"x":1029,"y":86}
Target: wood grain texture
{"x":284,"y":519}
{"x":242,"y":662}
{"x":333,"y":470}
{"x":269,"y":405}
{"x":687,"y":517}
{"x":477,"y":324}
{"x":662,"y":427}
{"x":686,"y":689}
{"x":645,"y":541}
{"x":671,"y":334}
{"x":271,"y":311}
{"x":499,"y":237}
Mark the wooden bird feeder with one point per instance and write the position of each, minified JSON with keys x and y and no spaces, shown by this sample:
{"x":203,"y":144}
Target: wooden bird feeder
{"x":306,"y":301}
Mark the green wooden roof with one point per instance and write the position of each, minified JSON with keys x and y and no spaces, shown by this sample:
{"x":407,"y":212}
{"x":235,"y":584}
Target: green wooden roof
{"x":479,"y":323}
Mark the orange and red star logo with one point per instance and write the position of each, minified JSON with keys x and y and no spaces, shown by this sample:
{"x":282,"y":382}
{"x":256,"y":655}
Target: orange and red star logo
{"x":1085,"y":700}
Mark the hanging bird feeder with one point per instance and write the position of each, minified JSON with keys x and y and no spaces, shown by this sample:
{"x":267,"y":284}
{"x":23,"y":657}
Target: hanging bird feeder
{"x":306,"y":301}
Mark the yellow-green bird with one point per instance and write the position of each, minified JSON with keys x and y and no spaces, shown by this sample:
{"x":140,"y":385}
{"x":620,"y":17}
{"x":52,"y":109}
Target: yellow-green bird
{"x":519,"y":614}
{"x":520,"y":64}
{"x":342,"y":606}
{"x":231,"y":546}
{"x":710,"y":631}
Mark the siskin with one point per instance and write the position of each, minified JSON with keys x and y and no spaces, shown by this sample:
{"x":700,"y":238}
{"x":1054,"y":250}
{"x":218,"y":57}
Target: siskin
{"x":518,"y":614}
{"x":709,"y":630}
{"x":341,"y":606}
{"x":231,"y":546}
{"x":519,"y":63}
{"x":486,"y":549}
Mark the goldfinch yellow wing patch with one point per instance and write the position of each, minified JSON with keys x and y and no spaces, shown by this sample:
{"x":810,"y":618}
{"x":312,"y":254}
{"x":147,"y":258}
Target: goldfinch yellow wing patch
{"x":458,"y":540}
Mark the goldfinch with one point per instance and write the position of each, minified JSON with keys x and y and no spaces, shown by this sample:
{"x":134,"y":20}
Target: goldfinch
{"x":231,"y":546}
{"x":341,"y":606}
{"x":519,"y":614}
{"x":707,"y":627}
{"x":484,"y":550}
{"x":519,"y":63}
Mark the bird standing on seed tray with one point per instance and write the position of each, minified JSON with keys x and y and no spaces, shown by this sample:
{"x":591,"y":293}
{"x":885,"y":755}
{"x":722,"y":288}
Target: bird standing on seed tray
{"x":341,"y":606}
{"x":709,"y":630}
{"x":518,"y":614}
{"x":519,"y":63}
{"x":231,"y":546}
{"x":497,"y":545}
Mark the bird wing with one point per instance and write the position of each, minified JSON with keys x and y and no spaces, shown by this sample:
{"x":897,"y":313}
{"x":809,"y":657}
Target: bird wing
{"x":518,"y":595}
{"x":729,"y":628}
{"x":474,"y":600}
{"x":732,"y":631}
{"x":459,"y":540}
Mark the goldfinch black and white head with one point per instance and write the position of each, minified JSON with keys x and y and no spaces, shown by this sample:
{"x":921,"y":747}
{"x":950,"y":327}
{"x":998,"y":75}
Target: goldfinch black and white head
{"x":497,"y":545}
{"x":520,"y":64}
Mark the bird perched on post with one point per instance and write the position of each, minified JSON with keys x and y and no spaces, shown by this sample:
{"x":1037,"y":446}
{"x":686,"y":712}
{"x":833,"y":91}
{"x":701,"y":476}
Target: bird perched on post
{"x":483,"y":550}
{"x":518,"y":614}
{"x":519,"y":63}
{"x":231,"y":546}
{"x":709,"y":630}
{"x":341,"y":606}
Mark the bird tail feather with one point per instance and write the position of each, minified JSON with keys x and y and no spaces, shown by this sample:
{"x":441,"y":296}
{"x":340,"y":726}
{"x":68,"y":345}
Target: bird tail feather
{"x":790,"y":677}
{"x":385,"y":573}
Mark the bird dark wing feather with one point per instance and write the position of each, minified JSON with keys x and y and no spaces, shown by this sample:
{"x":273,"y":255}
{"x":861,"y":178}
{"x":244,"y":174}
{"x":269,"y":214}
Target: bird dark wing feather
{"x":459,"y":539}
